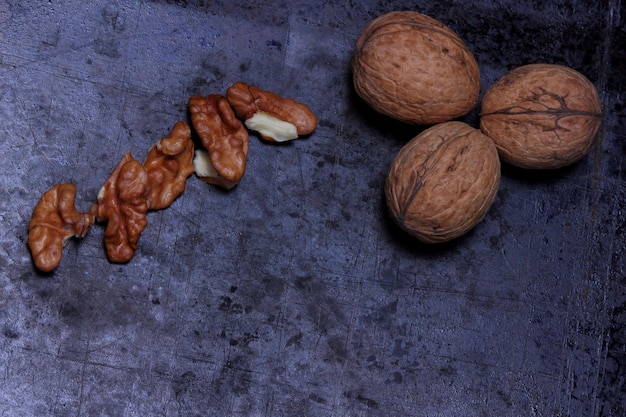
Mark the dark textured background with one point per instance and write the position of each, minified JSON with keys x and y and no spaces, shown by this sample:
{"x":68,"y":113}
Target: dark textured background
{"x":293,"y":294}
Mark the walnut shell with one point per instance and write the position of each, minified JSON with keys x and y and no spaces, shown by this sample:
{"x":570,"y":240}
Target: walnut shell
{"x":541,"y":116}
{"x":443,"y":182}
{"x":413,"y":68}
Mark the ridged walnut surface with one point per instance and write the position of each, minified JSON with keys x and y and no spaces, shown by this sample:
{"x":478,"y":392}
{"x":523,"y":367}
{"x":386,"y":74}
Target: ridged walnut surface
{"x":414,"y":69}
{"x":443,"y":182}
{"x":542,"y":116}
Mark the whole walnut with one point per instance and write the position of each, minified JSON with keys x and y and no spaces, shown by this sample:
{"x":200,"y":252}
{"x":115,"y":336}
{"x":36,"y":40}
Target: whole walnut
{"x":541,"y":116}
{"x":415,"y":69}
{"x":443,"y":182}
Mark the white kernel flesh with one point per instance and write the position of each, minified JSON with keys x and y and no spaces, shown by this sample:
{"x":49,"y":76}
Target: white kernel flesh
{"x":272,"y":127}
{"x":202,"y":164}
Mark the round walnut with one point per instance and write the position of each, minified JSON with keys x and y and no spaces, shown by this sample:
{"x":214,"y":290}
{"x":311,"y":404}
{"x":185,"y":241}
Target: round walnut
{"x":414,"y":69}
{"x":443,"y":182}
{"x":541,"y":116}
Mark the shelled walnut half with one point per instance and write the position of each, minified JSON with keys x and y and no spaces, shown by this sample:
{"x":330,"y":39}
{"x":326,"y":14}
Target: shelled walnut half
{"x":168,"y":164}
{"x":275,"y":118}
{"x":123,"y":206}
{"x":225,"y":139}
{"x":54,"y":221}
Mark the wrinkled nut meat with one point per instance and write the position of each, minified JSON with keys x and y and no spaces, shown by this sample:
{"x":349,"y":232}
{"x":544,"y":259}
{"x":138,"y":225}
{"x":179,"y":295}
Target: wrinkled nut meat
{"x":225,"y":139}
{"x":541,"y":116}
{"x":443,"y":182}
{"x":168,"y":164}
{"x":275,"y":118}
{"x":55,"y":220}
{"x":123,"y":206}
{"x":413,"y":68}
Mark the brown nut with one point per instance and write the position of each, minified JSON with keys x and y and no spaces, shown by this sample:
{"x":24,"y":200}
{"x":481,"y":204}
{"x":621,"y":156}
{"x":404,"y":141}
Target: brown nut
{"x":122,"y":205}
{"x":55,"y":220}
{"x":168,"y":164}
{"x":541,"y":116}
{"x":275,"y":118}
{"x":224,"y":138}
{"x":414,"y":69}
{"x":443,"y":182}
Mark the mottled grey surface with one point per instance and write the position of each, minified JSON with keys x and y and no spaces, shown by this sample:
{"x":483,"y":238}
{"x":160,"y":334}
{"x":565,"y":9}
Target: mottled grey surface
{"x":293,"y":294}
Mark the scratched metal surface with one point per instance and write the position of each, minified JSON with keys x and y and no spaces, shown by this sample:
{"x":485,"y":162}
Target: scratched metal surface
{"x":293,"y":294}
